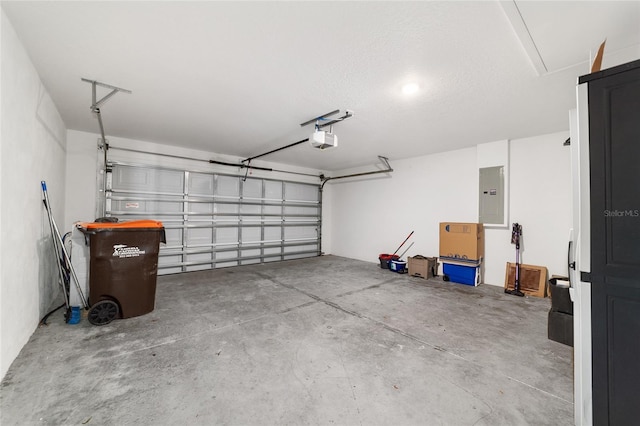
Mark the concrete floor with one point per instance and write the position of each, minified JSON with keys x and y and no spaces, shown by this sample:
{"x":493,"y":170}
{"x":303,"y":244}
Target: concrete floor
{"x":326,"y":340}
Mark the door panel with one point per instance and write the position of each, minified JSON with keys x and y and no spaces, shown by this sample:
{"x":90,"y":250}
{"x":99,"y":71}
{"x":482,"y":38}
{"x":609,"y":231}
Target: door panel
{"x":623,"y":182}
{"x":614,"y":145}
{"x":624,"y":368}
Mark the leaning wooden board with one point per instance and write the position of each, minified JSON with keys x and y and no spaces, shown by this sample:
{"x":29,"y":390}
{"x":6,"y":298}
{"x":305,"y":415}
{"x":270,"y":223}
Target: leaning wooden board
{"x":533,"y":279}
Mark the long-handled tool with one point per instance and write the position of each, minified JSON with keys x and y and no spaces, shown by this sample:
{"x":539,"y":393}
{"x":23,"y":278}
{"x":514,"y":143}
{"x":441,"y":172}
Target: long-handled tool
{"x":406,"y":250}
{"x":60,"y":248}
{"x":63,"y":279}
{"x":394,"y":253}
{"x":516,"y":233}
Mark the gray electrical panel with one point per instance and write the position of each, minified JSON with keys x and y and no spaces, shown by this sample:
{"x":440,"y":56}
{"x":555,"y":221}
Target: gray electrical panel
{"x":491,"y":195}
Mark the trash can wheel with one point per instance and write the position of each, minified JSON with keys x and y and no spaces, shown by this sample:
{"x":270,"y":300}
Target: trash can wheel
{"x":103,"y":312}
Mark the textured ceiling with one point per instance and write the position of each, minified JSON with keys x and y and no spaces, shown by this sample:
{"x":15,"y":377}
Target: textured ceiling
{"x":238,"y":78}
{"x":581,"y":24}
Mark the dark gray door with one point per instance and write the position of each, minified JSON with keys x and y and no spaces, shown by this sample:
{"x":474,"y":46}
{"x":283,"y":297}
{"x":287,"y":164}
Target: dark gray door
{"x":614,"y":150}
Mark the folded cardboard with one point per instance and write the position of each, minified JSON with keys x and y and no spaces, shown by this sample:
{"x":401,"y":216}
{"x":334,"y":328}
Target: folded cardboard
{"x":461,"y":240}
{"x":423,"y":267}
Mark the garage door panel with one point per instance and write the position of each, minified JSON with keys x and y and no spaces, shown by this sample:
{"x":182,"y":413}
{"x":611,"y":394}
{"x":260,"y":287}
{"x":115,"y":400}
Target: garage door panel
{"x":295,"y":256}
{"x":170,"y":270}
{"x":218,"y":220}
{"x":173,"y":235}
{"x":201,"y":184}
{"x":227,"y":186}
{"x":252,"y":188}
{"x":301,"y":210}
{"x":138,"y":205}
{"x":274,"y":251}
{"x":273,"y":190}
{"x":273,"y":210}
{"x":173,"y":221}
{"x":251,"y":209}
{"x":170,"y":264}
{"x":226,"y":264}
{"x":198,"y":267}
{"x":198,"y":236}
{"x":225,"y":255}
{"x":301,"y":192}
{"x":250,"y":253}
{"x":300,"y":248}
{"x":148,"y":179}
{"x":199,"y":258}
{"x":226,"y":235}
{"x":299,"y":232}
{"x":165,"y":206}
{"x":200,"y":208}
{"x":272,"y":233}
{"x":227,"y":258}
{"x":251,"y":235}
{"x":168,"y":181}
{"x":226,"y":208}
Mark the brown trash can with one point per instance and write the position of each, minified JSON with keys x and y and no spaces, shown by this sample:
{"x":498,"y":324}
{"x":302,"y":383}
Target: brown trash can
{"x":123,"y":268}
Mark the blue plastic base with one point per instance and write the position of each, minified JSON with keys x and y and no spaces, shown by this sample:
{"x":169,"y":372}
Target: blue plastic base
{"x":75,"y":315}
{"x":397,"y":266}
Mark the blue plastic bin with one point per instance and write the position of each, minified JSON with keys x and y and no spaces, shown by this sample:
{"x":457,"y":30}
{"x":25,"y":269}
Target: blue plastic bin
{"x":460,"y":274}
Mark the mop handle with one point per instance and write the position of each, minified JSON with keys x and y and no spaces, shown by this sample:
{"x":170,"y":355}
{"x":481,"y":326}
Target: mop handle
{"x":56,"y":252}
{"x":67,"y":258}
{"x":394,"y":253}
{"x":406,"y":250}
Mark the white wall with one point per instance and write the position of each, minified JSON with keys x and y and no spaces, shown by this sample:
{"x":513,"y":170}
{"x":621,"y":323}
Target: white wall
{"x":82,"y":157}
{"x":33,"y":149}
{"x":540,"y":201}
{"x":374,"y":215}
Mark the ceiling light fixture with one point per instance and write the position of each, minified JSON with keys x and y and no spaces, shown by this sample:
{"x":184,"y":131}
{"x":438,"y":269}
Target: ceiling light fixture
{"x":410,"y":89}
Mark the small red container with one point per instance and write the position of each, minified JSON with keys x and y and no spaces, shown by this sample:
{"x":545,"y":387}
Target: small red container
{"x":385,"y":258}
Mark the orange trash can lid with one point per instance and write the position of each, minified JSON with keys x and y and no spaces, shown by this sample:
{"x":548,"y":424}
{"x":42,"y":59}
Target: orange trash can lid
{"x":145,"y":223}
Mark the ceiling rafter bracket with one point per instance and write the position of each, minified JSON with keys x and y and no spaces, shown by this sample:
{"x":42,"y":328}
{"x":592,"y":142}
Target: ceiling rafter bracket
{"x":347,"y":114}
{"x":95,"y":108}
{"x":95,"y":105}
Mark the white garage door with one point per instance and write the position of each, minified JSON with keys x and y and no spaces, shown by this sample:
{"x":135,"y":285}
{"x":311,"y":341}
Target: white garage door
{"x":214,"y":220}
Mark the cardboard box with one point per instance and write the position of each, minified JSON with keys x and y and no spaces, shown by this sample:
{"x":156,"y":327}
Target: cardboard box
{"x":461,"y":240}
{"x":423,"y":267}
